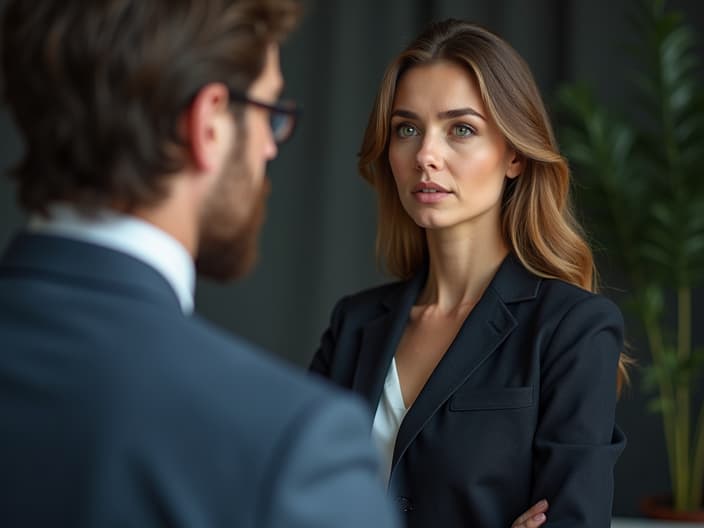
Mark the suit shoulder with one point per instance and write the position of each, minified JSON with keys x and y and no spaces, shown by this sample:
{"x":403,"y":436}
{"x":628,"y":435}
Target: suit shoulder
{"x":210,"y":374}
{"x":255,"y":367}
{"x":570,"y":302}
{"x":369,"y":297}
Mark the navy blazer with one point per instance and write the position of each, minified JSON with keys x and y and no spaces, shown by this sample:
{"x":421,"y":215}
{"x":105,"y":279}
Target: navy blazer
{"x":118,"y":410}
{"x":521,"y":406}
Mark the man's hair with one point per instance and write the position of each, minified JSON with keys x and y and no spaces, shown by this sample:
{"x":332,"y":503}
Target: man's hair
{"x":97,"y":87}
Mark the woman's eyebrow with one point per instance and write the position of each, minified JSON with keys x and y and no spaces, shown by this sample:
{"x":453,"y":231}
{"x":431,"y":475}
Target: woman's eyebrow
{"x":446,"y":114}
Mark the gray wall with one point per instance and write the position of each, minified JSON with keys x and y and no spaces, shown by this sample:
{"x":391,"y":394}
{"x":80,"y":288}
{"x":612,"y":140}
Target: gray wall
{"x":319,"y":239}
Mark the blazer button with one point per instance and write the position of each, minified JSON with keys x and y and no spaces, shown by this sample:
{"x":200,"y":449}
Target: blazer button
{"x":405,"y":504}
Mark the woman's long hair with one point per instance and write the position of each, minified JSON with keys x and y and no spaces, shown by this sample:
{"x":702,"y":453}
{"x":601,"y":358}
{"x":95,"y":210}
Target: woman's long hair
{"x":536,"y":215}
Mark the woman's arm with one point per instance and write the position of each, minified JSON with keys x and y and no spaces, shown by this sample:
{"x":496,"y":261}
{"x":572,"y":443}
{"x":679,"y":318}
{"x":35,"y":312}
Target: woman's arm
{"x":322,"y":360}
{"x":577,"y":442}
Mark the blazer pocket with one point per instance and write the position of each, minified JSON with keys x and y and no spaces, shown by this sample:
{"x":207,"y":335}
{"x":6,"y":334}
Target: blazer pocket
{"x":492,"y":399}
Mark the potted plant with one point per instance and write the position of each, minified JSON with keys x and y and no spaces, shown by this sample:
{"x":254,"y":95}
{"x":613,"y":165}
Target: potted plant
{"x":641,"y":177}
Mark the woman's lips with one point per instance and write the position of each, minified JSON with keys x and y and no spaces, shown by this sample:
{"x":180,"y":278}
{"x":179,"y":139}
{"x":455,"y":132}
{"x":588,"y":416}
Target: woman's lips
{"x":429,"y":192}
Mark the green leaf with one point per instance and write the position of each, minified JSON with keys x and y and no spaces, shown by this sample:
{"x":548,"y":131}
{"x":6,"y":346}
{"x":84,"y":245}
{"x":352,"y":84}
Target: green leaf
{"x":694,"y":246}
{"x":676,"y":44}
{"x":681,"y":97}
{"x":650,"y":301}
{"x":660,"y":405}
{"x":663,"y":213}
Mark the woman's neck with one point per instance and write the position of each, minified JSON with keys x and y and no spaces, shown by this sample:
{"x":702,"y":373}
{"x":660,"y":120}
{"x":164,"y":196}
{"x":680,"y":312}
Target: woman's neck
{"x":462,"y":264}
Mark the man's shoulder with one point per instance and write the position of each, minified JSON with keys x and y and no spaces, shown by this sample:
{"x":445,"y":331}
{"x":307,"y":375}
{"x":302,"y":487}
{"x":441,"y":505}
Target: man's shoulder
{"x":240,"y":368}
{"x":230,"y":388}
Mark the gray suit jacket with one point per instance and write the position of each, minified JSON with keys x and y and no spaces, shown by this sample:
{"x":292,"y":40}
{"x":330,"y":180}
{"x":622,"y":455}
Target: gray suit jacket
{"x":117,"y":410}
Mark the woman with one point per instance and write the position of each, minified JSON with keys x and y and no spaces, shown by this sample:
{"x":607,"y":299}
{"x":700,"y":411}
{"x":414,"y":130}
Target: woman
{"x":492,"y":366}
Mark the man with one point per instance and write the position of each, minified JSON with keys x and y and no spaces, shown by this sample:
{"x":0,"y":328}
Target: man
{"x":147,"y":131}
{"x":147,"y":126}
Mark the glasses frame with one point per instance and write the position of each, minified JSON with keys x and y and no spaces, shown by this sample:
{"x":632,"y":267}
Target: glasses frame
{"x":285,"y":109}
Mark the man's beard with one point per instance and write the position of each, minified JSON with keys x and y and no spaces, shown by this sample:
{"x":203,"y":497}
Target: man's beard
{"x":228,"y":244}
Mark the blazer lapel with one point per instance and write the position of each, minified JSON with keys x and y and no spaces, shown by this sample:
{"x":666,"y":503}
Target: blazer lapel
{"x":380,"y":338}
{"x":486,"y":327}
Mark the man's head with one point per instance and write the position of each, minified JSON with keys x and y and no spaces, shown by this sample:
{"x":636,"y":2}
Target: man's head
{"x":233,"y":209}
{"x":117,"y":99}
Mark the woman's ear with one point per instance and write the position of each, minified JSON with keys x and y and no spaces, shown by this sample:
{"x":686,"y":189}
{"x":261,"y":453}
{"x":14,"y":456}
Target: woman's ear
{"x":515,"y":165}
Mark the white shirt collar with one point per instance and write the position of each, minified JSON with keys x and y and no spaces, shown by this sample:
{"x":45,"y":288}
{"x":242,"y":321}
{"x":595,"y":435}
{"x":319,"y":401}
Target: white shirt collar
{"x":129,"y":235}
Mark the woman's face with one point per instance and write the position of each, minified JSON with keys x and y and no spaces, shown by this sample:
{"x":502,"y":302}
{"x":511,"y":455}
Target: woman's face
{"x":448,"y":157}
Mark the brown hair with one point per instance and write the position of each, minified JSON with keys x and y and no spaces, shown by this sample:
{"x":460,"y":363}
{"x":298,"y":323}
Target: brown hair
{"x":536,"y":217}
{"x":97,"y":87}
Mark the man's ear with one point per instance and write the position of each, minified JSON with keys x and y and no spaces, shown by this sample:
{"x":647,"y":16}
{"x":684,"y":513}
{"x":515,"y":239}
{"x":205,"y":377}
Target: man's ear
{"x":206,"y":124}
{"x":515,"y":165}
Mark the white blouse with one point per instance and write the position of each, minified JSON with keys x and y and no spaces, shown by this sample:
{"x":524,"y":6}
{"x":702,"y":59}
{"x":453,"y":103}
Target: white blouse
{"x":388,"y":418}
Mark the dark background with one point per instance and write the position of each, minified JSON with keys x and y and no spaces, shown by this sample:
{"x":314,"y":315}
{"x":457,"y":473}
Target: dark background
{"x":318,"y":243}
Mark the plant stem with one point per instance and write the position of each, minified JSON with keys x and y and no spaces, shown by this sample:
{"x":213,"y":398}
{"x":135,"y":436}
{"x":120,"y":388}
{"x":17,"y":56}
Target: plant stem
{"x":682,"y":389}
{"x":682,"y":476}
{"x":697,"y":489}
{"x":656,"y":345}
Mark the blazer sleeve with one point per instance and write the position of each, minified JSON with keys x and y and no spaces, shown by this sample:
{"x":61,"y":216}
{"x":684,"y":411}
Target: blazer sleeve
{"x":577,"y":442}
{"x":327,"y":473}
{"x":322,"y":360}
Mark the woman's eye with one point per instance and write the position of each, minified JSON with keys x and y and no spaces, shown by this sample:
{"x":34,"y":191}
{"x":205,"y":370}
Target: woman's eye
{"x":462,"y":130}
{"x":405,"y":130}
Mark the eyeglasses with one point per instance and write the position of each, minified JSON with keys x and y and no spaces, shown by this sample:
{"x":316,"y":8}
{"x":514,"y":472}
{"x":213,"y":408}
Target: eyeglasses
{"x":282,"y":115}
